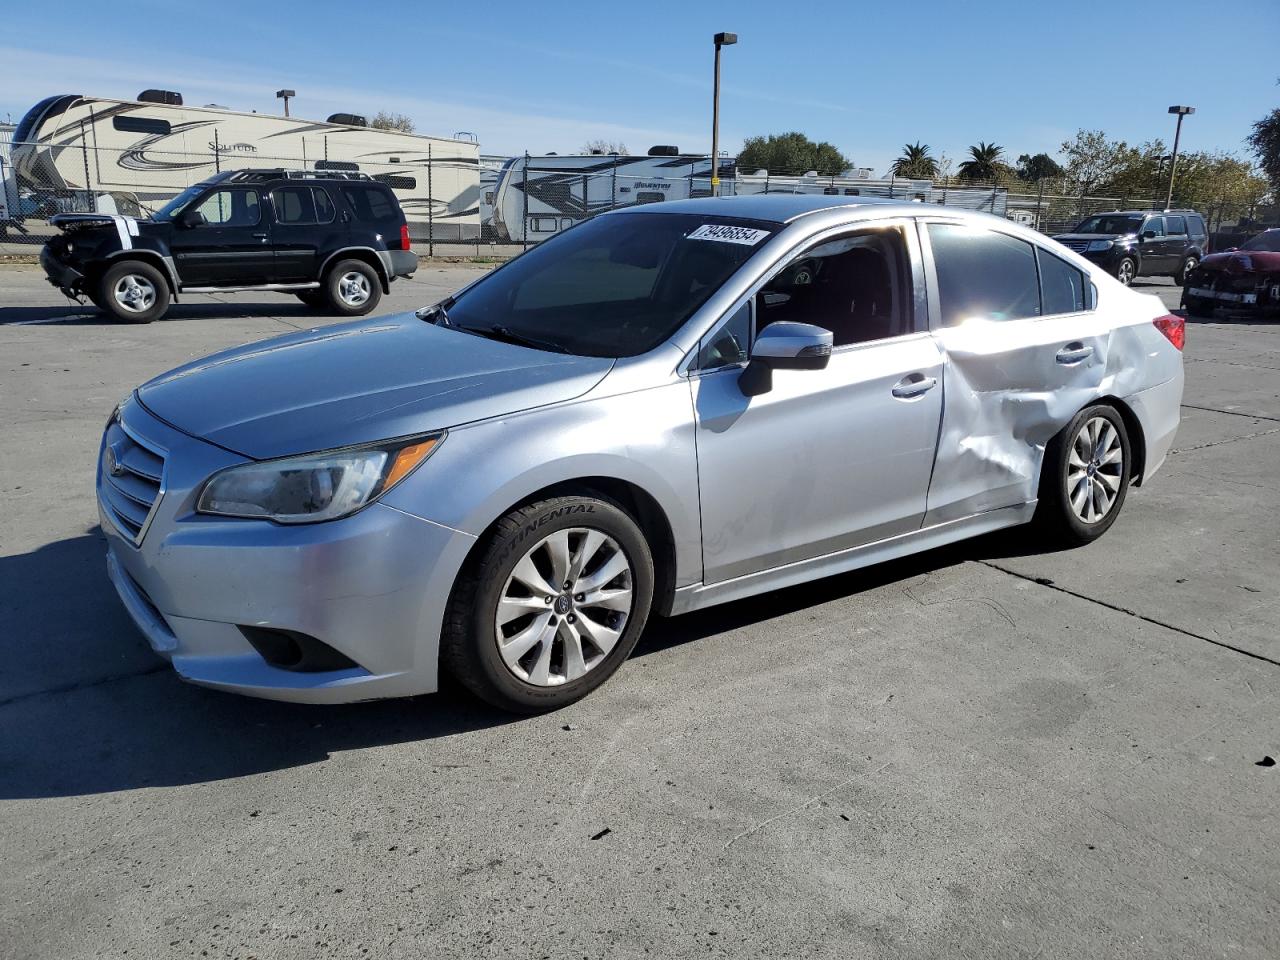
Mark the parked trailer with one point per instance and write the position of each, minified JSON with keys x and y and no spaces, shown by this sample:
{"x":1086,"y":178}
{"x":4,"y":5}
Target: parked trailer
{"x":154,"y":147}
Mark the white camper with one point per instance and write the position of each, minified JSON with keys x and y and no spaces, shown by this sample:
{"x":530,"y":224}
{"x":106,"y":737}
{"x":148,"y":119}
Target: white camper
{"x":154,"y":147}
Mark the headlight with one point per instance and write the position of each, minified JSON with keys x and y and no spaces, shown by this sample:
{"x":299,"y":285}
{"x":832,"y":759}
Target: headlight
{"x":1098,"y":245}
{"x":316,"y":487}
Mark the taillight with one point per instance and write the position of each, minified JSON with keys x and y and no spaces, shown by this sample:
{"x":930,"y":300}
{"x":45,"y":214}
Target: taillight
{"x":1174,"y":328}
{"x":404,"y":236}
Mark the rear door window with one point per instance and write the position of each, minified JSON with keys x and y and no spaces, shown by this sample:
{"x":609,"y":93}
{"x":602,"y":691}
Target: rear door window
{"x":1175,"y":226}
{"x":983,"y":274}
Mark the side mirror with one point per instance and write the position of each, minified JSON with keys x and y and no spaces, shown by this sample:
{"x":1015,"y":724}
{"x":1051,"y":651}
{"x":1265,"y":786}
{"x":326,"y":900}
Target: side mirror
{"x":193,"y":218}
{"x":1148,"y":234}
{"x":784,"y":345}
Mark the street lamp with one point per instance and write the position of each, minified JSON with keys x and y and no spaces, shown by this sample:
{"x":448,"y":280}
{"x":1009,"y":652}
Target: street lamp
{"x":285,"y":95}
{"x":721,"y":40}
{"x":1173,"y":158}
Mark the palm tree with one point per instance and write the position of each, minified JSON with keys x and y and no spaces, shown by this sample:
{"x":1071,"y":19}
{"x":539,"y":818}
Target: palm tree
{"x":984,"y":163}
{"x":915,"y":162}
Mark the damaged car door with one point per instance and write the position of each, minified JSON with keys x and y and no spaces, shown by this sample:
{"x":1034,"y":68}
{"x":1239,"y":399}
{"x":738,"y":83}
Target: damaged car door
{"x":1025,"y":350}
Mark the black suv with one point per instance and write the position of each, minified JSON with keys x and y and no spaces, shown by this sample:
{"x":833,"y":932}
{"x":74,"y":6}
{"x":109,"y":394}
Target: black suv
{"x":335,"y":240}
{"x":1141,"y":243}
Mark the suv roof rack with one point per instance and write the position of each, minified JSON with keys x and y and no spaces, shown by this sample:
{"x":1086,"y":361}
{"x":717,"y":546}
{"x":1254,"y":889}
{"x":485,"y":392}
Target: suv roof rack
{"x":280,"y":173}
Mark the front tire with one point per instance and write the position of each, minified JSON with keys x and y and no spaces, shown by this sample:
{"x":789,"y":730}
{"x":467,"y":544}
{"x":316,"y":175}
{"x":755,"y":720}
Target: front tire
{"x":352,"y":288}
{"x":1085,"y":477}
{"x":1126,"y":270}
{"x":133,"y":292}
{"x":552,"y":605}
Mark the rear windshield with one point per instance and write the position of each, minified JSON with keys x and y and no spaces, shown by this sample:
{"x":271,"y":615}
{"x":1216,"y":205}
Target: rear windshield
{"x":1110,"y":223}
{"x":615,"y":286}
{"x":371,"y":203}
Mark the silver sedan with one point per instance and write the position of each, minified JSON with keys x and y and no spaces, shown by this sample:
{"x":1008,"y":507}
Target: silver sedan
{"x":661,"y":409}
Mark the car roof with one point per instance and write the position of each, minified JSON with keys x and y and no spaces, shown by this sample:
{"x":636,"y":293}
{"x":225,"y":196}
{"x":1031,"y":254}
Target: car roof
{"x":1143,"y":213}
{"x":775,"y":207}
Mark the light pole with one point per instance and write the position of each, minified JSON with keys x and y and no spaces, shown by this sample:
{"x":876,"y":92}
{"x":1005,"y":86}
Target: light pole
{"x":1173,"y":158}
{"x":285,"y":95}
{"x":721,"y":40}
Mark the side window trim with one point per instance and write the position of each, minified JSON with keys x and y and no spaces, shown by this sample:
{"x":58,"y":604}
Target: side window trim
{"x":918,"y":301}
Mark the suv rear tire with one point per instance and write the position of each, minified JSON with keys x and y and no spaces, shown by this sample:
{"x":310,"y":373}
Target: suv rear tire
{"x":1189,"y":264}
{"x":133,"y":292}
{"x":352,"y":288}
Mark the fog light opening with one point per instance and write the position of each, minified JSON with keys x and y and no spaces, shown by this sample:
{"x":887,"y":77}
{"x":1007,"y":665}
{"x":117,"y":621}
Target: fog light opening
{"x":291,"y":650}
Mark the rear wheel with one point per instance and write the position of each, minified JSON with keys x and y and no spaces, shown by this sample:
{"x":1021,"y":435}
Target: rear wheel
{"x":352,"y":288}
{"x":133,"y":292}
{"x":1085,"y":477}
{"x":1126,"y":270}
{"x":552,"y":606}
{"x":1188,"y":265}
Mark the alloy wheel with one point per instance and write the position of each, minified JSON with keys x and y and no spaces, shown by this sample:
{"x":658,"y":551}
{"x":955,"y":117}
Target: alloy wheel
{"x":353,"y":288}
{"x":1124,"y":273}
{"x":1095,"y":469}
{"x":134,"y":293}
{"x":564,"y":606}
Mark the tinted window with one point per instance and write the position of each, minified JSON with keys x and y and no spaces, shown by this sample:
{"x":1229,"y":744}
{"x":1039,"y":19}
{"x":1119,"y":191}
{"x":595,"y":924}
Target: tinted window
{"x":232,"y":208}
{"x":854,"y":286}
{"x":1061,"y":285}
{"x":140,"y":125}
{"x":1196,"y":224}
{"x":1268,"y":240}
{"x":983,"y":274}
{"x":1154,"y":224}
{"x":615,"y":286}
{"x":1109,"y":223}
{"x":368,"y":202}
{"x":324,"y":205}
{"x":1175,"y":226}
{"x":294,"y":205}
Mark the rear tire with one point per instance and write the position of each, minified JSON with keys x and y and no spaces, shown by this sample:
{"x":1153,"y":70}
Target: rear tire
{"x":133,"y":292}
{"x":1188,"y":265}
{"x":1085,"y":477}
{"x":352,"y":288}
{"x":551,"y":606}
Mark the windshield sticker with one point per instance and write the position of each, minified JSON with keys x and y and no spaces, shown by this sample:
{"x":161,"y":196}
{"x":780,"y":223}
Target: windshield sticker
{"x":727,"y":234}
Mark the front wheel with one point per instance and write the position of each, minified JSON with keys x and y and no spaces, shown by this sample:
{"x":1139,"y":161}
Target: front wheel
{"x":551,"y":607}
{"x":133,"y":292}
{"x":1085,"y":477}
{"x":1126,"y":270}
{"x":352,"y":288}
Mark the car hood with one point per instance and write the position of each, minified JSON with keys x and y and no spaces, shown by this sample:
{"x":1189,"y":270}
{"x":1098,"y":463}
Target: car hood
{"x":1242,"y":261}
{"x":357,"y":383}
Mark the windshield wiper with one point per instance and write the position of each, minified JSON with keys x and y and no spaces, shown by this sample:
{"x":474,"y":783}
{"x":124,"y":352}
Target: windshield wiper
{"x":499,"y":332}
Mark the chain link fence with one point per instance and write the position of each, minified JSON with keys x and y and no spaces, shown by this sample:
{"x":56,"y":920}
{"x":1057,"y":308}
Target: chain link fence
{"x":496,"y":207}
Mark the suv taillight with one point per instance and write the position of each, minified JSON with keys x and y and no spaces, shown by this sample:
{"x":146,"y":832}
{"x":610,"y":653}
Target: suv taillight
{"x":1174,"y":328}
{"x":404,"y":236}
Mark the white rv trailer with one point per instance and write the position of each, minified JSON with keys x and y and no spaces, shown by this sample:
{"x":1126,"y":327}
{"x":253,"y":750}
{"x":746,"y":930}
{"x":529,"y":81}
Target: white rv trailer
{"x":537,"y":197}
{"x":155,"y":147}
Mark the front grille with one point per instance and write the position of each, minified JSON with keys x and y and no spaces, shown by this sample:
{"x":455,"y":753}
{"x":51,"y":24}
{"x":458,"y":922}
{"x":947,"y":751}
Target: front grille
{"x":130,"y":479}
{"x":1079,"y":246}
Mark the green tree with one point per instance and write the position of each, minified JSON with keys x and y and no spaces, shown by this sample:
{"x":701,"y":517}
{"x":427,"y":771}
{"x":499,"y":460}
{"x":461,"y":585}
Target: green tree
{"x":392,"y":121}
{"x":1265,"y":143}
{"x":791,"y":154}
{"x":915,"y":162}
{"x":1091,"y":158}
{"x":1041,"y":166}
{"x":985,"y":162}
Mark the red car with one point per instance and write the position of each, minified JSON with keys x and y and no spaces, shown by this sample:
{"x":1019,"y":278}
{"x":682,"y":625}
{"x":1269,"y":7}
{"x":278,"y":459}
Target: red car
{"x":1246,"y":279}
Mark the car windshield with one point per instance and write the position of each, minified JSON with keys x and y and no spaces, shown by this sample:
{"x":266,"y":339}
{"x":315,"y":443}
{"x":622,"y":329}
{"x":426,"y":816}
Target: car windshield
{"x":1264,"y":241}
{"x":172,"y":208}
{"x":1110,"y":224}
{"x":615,"y":286}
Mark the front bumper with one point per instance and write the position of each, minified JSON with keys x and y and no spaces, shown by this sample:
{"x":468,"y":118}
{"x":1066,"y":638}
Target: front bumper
{"x":372,"y":586}
{"x":1234,"y":294}
{"x":62,"y":276}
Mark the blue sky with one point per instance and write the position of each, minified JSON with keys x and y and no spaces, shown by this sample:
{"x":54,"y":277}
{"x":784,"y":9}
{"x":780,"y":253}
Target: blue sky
{"x":547,"y":75}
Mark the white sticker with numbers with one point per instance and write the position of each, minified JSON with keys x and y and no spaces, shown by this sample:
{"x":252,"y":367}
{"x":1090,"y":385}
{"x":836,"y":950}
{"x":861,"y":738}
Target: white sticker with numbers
{"x":729,"y":234}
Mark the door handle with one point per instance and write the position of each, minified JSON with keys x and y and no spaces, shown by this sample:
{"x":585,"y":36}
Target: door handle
{"x":914,"y":385}
{"x":260,"y":236}
{"x":1074,"y":353}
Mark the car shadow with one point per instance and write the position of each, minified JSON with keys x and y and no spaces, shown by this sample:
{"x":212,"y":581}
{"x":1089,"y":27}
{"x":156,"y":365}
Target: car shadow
{"x":101,"y":713}
{"x":72,"y":314}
